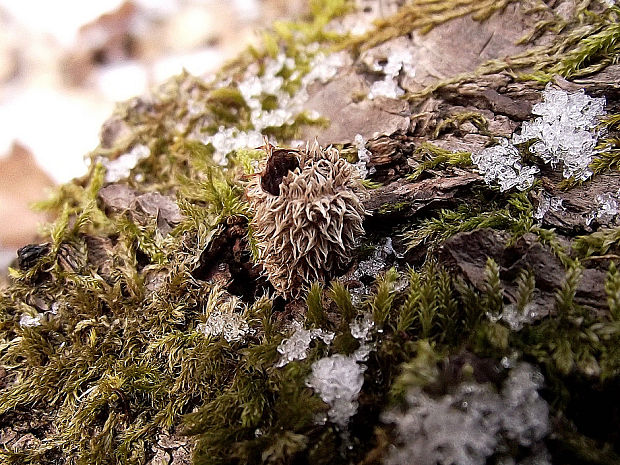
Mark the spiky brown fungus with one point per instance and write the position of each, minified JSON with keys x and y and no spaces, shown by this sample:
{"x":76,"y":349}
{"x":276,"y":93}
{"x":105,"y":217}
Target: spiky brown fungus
{"x":308,"y":213}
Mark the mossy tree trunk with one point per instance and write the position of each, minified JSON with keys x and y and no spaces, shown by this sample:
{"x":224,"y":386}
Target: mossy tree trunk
{"x":143,"y":327}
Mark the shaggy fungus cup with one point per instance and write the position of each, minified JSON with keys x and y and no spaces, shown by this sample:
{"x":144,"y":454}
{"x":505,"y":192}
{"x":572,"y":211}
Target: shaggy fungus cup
{"x":308,"y":213}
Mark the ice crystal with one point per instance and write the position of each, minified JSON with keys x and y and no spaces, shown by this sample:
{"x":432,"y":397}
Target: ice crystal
{"x":29,"y":321}
{"x":502,"y":164}
{"x":323,"y":68}
{"x":516,"y":318}
{"x":226,"y":140}
{"x":399,"y":59}
{"x":524,"y":415}
{"x":471,"y":424}
{"x":225,"y":322}
{"x":372,"y":266}
{"x":296,"y":347}
{"x":254,"y":88}
{"x":363,"y":157}
{"x":360,"y":328}
{"x":547,"y":203}
{"x":338,"y":380}
{"x":606,"y":208}
{"x":369,"y":269}
{"x":565,"y":131}
{"x":120,"y":168}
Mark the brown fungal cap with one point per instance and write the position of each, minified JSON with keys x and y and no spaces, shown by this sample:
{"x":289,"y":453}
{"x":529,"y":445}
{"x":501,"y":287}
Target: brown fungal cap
{"x":308,"y":213}
{"x":279,"y":163}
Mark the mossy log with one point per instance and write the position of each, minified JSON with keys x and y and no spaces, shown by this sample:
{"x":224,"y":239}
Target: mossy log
{"x":473,"y":323}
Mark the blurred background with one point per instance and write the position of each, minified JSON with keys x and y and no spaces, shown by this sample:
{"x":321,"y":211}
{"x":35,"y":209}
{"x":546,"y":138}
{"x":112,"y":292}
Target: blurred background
{"x":64,"y":63}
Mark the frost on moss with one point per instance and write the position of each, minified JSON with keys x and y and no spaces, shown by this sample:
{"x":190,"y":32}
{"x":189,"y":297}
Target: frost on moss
{"x":224,"y":319}
{"x":273,"y":96}
{"x":121,"y":167}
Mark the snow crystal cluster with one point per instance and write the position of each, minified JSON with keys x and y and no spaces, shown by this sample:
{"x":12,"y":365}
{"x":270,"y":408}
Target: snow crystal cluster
{"x":502,"y":163}
{"x":254,"y":88}
{"x":225,"y":322}
{"x":547,"y":203}
{"x":296,"y":347}
{"x":472,"y":423}
{"x":338,"y":379}
{"x":399,"y":59}
{"x":565,"y":131}
{"x":120,"y":168}
{"x":606,"y":208}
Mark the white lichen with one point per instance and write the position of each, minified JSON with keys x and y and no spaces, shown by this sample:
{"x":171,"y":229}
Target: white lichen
{"x":296,"y":346}
{"x":565,"y":132}
{"x":120,"y":168}
{"x":472,"y":423}
{"x":502,"y":164}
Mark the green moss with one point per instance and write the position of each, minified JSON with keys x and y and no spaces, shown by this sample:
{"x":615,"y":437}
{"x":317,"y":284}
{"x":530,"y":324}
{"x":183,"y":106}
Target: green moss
{"x":422,"y":16}
{"x":438,"y":157}
{"x":516,"y":216}
{"x":608,"y":158}
{"x":597,"y":243}
{"x":388,"y":208}
{"x":588,"y":43}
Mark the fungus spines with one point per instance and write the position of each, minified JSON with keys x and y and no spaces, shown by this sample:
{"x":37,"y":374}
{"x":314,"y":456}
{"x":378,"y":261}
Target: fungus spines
{"x":308,"y":229}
